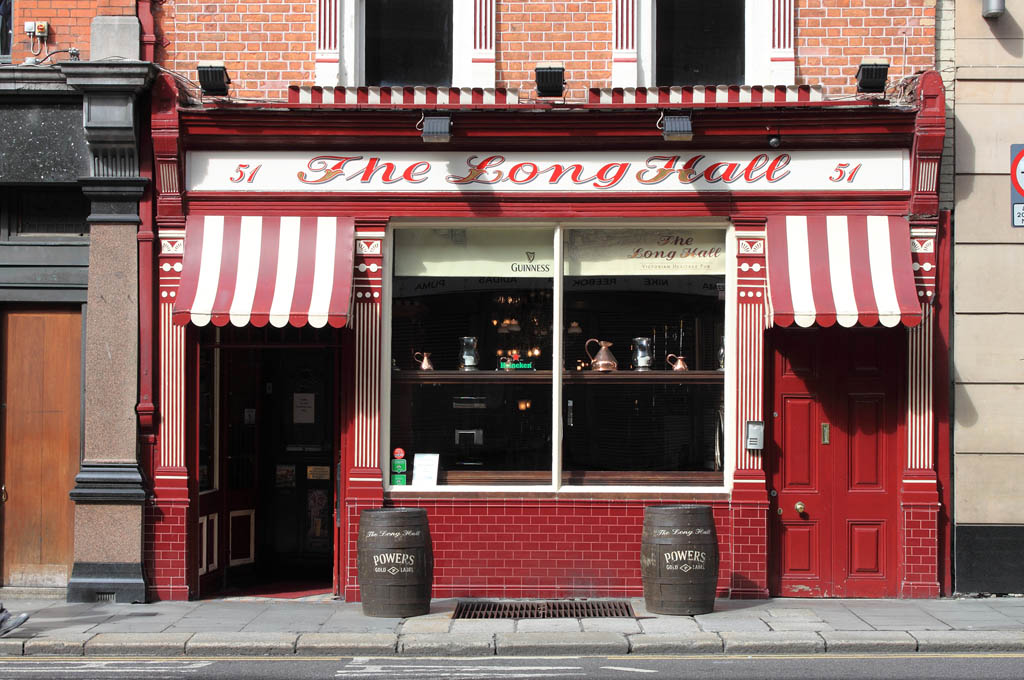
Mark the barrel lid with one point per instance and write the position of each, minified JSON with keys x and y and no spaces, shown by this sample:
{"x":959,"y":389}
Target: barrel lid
{"x":392,"y":514}
{"x":676,"y":510}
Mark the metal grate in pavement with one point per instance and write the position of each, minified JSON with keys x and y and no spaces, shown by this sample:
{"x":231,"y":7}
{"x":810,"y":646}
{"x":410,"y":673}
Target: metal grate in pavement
{"x":543,"y":609}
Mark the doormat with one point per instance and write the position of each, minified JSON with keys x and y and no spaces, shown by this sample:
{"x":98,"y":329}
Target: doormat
{"x":281,"y":590}
{"x":543,"y":609}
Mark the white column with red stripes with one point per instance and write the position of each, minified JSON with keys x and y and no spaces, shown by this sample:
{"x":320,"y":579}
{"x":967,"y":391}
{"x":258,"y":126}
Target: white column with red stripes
{"x":624,"y":43}
{"x":749,"y":494}
{"x":473,"y":54}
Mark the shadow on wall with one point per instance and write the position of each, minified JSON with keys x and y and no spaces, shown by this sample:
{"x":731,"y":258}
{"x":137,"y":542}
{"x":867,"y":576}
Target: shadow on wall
{"x":1008,"y":33}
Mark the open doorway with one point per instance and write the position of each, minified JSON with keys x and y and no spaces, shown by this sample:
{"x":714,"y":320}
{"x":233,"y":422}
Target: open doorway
{"x":267,"y":456}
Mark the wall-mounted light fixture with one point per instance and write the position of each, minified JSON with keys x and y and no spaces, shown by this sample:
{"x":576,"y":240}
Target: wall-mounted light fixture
{"x":436,"y":129}
{"x":775,"y":141}
{"x":213,"y":78}
{"x":993,"y":9}
{"x":872,"y":74}
{"x":550,"y":78}
{"x":675,"y":128}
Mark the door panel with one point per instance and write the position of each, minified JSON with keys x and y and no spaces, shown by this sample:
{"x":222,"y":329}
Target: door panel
{"x":42,"y":426}
{"x":836,"y":449}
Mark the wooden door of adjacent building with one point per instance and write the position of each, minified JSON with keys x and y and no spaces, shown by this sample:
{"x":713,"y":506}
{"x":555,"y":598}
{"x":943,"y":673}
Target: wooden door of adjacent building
{"x":42,"y":398}
{"x":834,"y":461}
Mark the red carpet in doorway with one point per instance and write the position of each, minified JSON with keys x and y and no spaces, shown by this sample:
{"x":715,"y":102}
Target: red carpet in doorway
{"x":285,"y":590}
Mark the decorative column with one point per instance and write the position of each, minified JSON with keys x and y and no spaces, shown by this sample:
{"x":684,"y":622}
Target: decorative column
{"x":749,"y":494}
{"x":168,"y":511}
{"x":361,"y":377}
{"x":473,"y":44}
{"x":624,"y":44}
{"x":108,"y":491}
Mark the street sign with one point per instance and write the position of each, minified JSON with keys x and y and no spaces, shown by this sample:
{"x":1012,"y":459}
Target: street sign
{"x":1017,"y":185}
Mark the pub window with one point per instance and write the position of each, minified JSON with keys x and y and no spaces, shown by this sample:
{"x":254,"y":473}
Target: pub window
{"x":44,"y":213}
{"x":699,"y":43}
{"x":473,"y":368}
{"x":408,"y":42}
{"x":6,"y":30}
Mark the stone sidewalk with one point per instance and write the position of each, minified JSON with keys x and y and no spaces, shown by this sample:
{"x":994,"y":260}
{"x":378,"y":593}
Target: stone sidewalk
{"x":260,"y":627}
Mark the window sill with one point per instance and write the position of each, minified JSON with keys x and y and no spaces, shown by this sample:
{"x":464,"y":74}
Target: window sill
{"x":568,"y":377}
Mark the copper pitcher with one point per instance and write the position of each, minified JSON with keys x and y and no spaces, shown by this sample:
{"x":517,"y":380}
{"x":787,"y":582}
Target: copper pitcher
{"x":603,"y":360}
{"x":679,"y":364}
{"x":423,"y":359}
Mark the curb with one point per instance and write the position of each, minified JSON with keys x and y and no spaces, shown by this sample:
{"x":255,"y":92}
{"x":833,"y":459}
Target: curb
{"x":969,"y":640}
{"x":443,"y":644}
{"x":883,"y":641}
{"x":774,"y":642}
{"x":561,"y":644}
{"x":347,"y":644}
{"x":241,"y":644}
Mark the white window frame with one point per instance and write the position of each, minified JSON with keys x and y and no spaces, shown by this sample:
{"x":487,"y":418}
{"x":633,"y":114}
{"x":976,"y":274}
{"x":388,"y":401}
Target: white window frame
{"x":768,"y":49}
{"x":340,"y":43}
{"x":731,"y":372}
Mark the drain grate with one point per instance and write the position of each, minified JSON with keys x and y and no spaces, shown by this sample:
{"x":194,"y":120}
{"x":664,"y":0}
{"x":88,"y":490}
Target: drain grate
{"x":543,"y":609}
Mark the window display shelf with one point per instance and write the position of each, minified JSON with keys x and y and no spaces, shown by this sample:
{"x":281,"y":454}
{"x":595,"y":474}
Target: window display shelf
{"x":568,"y":377}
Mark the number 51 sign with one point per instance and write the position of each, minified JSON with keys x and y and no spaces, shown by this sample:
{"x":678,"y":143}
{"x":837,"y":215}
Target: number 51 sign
{"x":1017,"y":184}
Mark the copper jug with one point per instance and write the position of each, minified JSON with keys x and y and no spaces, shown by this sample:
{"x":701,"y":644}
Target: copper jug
{"x":679,"y":364}
{"x":423,"y":359}
{"x":603,"y":360}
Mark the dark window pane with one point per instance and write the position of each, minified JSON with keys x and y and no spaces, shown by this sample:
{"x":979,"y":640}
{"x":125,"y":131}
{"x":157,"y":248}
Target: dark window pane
{"x":699,"y":43}
{"x":408,"y":42}
{"x":51,"y":211}
{"x":6,"y":29}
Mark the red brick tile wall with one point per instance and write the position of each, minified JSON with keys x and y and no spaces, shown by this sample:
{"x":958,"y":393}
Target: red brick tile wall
{"x":920,"y":552}
{"x":165,"y":540}
{"x":69,"y":24}
{"x":750,"y":550}
{"x":522,"y":547}
{"x":832,"y":36}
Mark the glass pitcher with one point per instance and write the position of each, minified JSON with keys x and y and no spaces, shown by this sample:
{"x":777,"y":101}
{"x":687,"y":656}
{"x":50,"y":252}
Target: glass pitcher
{"x":642,"y":354}
{"x":469,"y":358}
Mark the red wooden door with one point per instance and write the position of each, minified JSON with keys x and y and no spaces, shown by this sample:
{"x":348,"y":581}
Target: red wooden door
{"x":834,"y":461}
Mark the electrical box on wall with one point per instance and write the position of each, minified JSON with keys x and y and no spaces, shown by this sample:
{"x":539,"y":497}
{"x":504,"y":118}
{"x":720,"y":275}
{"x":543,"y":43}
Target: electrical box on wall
{"x":42,"y":29}
{"x":755,"y":435}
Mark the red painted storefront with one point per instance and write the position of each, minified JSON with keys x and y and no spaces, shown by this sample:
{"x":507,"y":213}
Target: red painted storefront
{"x":581,"y":541}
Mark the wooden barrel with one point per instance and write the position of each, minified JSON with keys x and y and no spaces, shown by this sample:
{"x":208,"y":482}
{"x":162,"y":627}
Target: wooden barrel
{"x":396,"y":562}
{"x":679,"y":559}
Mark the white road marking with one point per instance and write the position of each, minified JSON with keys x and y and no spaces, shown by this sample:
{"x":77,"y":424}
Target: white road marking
{"x":431,"y":671}
{"x":108,"y":667}
{"x":628,"y":670}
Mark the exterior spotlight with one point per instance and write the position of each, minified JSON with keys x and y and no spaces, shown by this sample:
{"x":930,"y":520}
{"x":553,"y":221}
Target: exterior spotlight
{"x":993,"y":9}
{"x":550,"y":78}
{"x":213,"y":78}
{"x":437,"y":129}
{"x":872,"y":75}
{"x":676,"y":128}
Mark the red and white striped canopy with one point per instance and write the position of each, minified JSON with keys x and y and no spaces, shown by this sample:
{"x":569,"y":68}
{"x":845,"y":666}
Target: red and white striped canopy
{"x":844,"y":269}
{"x":261,"y":269}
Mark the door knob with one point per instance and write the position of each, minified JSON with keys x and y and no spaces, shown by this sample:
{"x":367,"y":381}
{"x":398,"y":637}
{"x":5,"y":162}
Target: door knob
{"x":3,"y":493}
{"x":799,"y":507}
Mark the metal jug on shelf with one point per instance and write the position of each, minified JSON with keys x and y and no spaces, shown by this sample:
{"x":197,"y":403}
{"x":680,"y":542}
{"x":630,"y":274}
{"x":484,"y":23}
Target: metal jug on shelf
{"x":679,"y":363}
{"x":642,"y":354}
{"x":423,"y":359}
{"x":604,"y":360}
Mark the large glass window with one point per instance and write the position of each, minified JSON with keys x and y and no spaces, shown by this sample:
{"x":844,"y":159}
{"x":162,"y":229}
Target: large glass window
{"x":699,"y":43}
{"x":642,"y":347}
{"x":408,"y":42}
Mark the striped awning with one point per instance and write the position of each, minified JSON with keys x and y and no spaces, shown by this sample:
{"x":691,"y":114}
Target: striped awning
{"x":261,"y":269}
{"x":845,"y":269}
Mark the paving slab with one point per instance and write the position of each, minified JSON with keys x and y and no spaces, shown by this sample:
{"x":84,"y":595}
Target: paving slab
{"x":489,"y":626}
{"x":615,"y":625}
{"x":711,"y":623}
{"x":346,"y":644}
{"x":241,"y":644}
{"x":561,"y":644}
{"x":675,"y":643}
{"x":64,"y":645}
{"x":969,"y":640}
{"x":348,"y":620}
{"x":443,"y":644}
{"x":137,"y":644}
{"x":430,"y":623}
{"x":678,"y":625}
{"x":797,"y":624}
{"x":548,"y":626}
{"x":880,"y":641}
{"x":772,"y":643}
{"x":794,"y":613}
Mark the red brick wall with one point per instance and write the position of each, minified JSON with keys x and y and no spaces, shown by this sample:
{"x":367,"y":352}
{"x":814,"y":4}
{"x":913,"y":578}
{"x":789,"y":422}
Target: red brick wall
{"x":165,"y":540}
{"x":269,"y":45}
{"x":920,"y":551}
{"x":523,"y":547}
{"x":69,"y":24}
{"x":832,"y":36}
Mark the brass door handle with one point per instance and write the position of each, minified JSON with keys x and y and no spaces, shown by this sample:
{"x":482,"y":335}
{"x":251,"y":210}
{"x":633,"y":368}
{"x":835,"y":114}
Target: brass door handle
{"x":3,"y":493}
{"x":799,"y":507}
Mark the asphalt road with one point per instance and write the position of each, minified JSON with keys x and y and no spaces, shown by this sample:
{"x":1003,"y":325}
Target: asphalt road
{"x":831,"y":666}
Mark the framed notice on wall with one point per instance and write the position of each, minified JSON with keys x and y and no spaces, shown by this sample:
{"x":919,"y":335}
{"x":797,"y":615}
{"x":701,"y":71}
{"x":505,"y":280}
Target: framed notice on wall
{"x":1017,"y":185}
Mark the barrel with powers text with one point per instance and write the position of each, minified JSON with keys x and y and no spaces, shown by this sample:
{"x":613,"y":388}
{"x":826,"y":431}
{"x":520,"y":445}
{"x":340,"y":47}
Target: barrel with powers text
{"x":396,"y":562}
{"x":679,"y":559}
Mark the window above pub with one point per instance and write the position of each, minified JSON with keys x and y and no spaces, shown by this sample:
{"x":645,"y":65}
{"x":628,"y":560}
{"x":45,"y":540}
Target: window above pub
{"x":667,"y":43}
{"x":405,"y":43}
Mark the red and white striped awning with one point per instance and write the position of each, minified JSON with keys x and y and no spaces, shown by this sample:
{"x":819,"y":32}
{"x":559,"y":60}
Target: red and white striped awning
{"x":261,"y":269}
{"x":845,"y":269}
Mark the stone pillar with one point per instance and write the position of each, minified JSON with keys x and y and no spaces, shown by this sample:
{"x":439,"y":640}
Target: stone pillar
{"x":109,"y":492}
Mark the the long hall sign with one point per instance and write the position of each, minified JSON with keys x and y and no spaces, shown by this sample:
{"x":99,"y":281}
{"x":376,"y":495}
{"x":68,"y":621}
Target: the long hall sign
{"x":588,"y":171}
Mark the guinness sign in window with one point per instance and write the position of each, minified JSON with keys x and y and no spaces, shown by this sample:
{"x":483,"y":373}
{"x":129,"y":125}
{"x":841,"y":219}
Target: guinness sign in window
{"x":637,"y":397}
